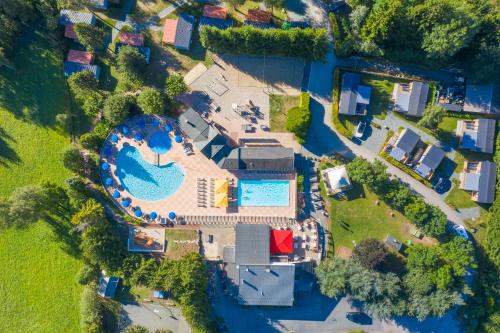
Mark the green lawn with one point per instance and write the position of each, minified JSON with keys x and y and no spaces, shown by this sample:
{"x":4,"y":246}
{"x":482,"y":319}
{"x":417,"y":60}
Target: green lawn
{"x":37,"y":279}
{"x":178,"y":250}
{"x":279,"y":106}
{"x":382,"y":88}
{"x":239,"y":13}
{"x":363,"y":215}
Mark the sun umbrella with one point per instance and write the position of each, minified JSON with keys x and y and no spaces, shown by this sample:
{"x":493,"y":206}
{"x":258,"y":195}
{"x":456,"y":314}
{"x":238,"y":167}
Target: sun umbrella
{"x":155,"y":122}
{"x":114,"y":138}
{"x":168,"y":127}
{"x":108,"y":181}
{"x":124,"y":129}
{"x":138,"y":212}
{"x":153,"y":215}
{"x":105,"y":166}
{"x":126,"y":203}
{"x":138,"y":137}
{"x":178,"y":138}
{"x":116,"y":194}
{"x":171,"y":215}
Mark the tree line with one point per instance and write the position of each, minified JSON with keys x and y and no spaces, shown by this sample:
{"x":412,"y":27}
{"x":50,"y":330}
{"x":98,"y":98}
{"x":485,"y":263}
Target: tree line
{"x":428,"y":218}
{"x":310,"y":44}
{"x":435,"y":32}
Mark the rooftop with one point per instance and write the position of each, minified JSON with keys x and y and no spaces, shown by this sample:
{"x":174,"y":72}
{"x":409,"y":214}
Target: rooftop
{"x":216,"y":12}
{"x":131,"y":38}
{"x":252,"y":244}
{"x":478,"y":137}
{"x":407,"y":140}
{"x":411,"y":99}
{"x":481,"y":99}
{"x":81,"y":57}
{"x":260,"y":158}
{"x":353,"y":95}
{"x":258,"y":15}
{"x":74,"y":67}
{"x":67,"y":16}
{"x":336,"y":178}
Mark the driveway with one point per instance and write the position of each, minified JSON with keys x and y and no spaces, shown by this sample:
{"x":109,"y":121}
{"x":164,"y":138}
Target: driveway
{"x":153,"y":317}
{"x":311,"y":11}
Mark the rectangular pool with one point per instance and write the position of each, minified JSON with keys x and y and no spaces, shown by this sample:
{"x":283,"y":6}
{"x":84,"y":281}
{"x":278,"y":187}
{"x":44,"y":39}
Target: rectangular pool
{"x":263,"y":193}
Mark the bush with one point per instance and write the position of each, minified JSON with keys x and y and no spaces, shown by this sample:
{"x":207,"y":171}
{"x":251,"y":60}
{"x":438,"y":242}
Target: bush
{"x":102,"y":129}
{"x":91,"y":311}
{"x":151,"y":101}
{"x":92,"y":37}
{"x":130,"y":61}
{"x":82,"y":84}
{"x":344,"y":131}
{"x":174,"y":86}
{"x":117,"y":108}
{"x":91,"y":141}
{"x":63,"y":121}
{"x":87,"y":274}
{"x":93,"y":104}
{"x":73,"y":160}
{"x":299,"y":118}
{"x":310,"y":44}
{"x":370,"y":253}
{"x":137,"y":329}
{"x":78,"y":191}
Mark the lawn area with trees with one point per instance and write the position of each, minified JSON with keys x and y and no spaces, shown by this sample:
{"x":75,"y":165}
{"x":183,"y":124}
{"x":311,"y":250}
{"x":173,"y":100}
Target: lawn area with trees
{"x":39,"y":290}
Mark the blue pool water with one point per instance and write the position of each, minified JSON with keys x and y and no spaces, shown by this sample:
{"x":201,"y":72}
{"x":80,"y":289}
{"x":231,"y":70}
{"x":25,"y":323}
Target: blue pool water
{"x":264,"y":193}
{"x":160,"y":142}
{"x":147,"y":181}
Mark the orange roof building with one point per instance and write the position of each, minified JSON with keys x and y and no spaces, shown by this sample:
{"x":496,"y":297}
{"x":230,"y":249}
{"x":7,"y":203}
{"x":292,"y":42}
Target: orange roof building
{"x":169,"y":31}
{"x":131,"y":38}
{"x":260,"y":16}
{"x":69,"y":31}
{"x":80,"y":57}
{"x":217,"y":12}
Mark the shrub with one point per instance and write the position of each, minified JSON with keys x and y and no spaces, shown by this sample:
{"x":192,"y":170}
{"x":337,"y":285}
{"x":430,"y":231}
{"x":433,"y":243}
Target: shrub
{"x":137,"y":329}
{"x":78,"y":191}
{"x":310,"y":44}
{"x":91,"y":141}
{"x":341,"y":48}
{"x":63,"y":121}
{"x":335,"y":106}
{"x":92,"y":37}
{"x":82,"y":84}
{"x":93,"y":104}
{"x":117,"y":108}
{"x":151,"y":101}
{"x":406,"y":169}
{"x":87,"y":274}
{"x":174,"y":86}
{"x":102,"y":129}
{"x":91,"y":310}
{"x":299,"y":118}
{"x":130,"y":61}
{"x":369,"y":253}
{"x":73,"y":160}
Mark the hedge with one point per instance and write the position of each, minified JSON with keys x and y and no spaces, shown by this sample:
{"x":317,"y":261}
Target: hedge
{"x":299,"y":118}
{"x":335,"y":106}
{"x":310,"y":44}
{"x":341,"y":48}
{"x":406,"y":169}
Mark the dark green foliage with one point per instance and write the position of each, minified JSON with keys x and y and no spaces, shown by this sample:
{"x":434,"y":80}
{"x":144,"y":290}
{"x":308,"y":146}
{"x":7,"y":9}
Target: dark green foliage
{"x":130,"y":62}
{"x":91,"y":141}
{"x":88,"y":274}
{"x":145,"y":273}
{"x":25,"y":206}
{"x":370,"y":253}
{"x":73,"y":160}
{"x":90,"y":36}
{"x":310,"y":44}
{"x":117,"y":108}
{"x":78,"y":191}
{"x":299,"y":118}
{"x":430,"y":219}
{"x":174,"y":86}
{"x":91,"y":311}
{"x":432,"y":116}
{"x":63,"y":121}
{"x":93,"y":104}
{"x":55,"y":198}
{"x":151,"y":101}
{"x":82,"y":84}
{"x":102,"y":129}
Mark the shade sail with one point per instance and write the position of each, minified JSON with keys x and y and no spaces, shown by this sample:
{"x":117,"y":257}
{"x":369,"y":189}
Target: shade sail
{"x":221,"y":186}
{"x":221,"y":200}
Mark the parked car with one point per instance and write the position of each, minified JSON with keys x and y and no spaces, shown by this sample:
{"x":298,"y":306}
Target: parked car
{"x":360,"y":318}
{"x":360,"y":129}
{"x":460,"y":230}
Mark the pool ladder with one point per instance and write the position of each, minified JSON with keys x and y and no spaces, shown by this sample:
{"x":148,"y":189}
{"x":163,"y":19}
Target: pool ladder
{"x":157,"y":159}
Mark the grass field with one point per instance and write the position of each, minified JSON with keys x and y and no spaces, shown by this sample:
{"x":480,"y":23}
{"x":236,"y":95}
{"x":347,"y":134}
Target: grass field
{"x":279,"y":106}
{"x":37,"y":279}
{"x":178,"y":250}
{"x":382,"y":88}
{"x":239,"y":13}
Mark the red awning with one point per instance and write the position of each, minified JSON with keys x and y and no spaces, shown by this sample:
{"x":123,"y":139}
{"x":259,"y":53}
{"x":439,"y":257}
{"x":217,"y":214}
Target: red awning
{"x":215,"y":12}
{"x":281,"y":241}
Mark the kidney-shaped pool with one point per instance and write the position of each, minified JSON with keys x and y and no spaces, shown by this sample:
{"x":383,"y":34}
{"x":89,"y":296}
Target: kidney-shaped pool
{"x":147,"y":181}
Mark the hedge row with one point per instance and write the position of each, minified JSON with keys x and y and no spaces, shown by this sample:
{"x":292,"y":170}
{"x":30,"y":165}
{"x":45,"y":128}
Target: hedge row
{"x":299,"y":118}
{"x":335,"y":106}
{"x":310,"y":44}
{"x":406,"y":169}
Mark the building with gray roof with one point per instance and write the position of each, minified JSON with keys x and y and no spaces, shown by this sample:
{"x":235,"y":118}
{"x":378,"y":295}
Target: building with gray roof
{"x":354,"y":98}
{"x":477,"y":135}
{"x":252,"y":244}
{"x":481,"y":99}
{"x":479,"y":178}
{"x":430,"y":160}
{"x":254,"y":279}
{"x":70,"y":17}
{"x":205,"y":137}
{"x":404,"y":145}
{"x":265,"y":158}
{"x":184,"y":32}
{"x":410,"y":99}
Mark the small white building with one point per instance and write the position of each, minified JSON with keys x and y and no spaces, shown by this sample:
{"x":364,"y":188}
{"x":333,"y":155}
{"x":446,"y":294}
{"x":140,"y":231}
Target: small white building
{"x":336,"y":179}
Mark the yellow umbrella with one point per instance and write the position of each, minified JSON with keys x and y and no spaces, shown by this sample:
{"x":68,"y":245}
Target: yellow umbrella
{"x":221,"y":200}
{"x":221,"y":186}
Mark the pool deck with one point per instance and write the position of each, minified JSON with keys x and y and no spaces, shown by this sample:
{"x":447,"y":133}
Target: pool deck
{"x":184,"y":202}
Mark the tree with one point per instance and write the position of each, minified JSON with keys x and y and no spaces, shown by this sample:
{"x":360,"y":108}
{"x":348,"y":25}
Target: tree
{"x":117,"y":108}
{"x":380,"y":20}
{"x":369,"y":253}
{"x":82,"y":84}
{"x":91,"y":141}
{"x":91,"y":311}
{"x":397,"y":195}
{"x":100,"y":246}
{"x":78,"y":191}
{"x":73,"y":160}
{"x":55,"y":197}
{"x":144,"y":275}
{"x":87,"y":274}
{"x":25,"y":206}
{"x":102,"y":129}
{"x":90,"y":213}
{"x":93,"y":104}
{"x":432,"y":116}
{"x":130,"y":62}
{"x":430,"y":219}
{"x":151,"y":101}
{"x":373,"y":175}
{"x":92,"y":37}
{"x":175,"y":86}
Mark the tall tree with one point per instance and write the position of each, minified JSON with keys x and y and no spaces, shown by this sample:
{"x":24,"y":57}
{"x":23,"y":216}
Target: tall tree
{"x":92,"y":37}
{"x":370,"y":253}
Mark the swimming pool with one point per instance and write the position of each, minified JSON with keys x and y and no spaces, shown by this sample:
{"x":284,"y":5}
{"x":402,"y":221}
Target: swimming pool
{"x":264,"y":193}
{"x":160,"y":142}
{"x":147,"y":181}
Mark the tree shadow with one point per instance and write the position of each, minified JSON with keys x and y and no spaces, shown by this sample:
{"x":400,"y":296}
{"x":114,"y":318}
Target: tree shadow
{"x":7,"y":153}
{"x":70,"y":239}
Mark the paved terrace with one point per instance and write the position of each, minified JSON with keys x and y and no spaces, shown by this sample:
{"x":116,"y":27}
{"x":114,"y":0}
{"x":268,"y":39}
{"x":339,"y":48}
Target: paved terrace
{"x":184,"y":201}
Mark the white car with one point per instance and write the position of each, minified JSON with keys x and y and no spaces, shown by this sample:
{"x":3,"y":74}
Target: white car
{"x":360,"y":129}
